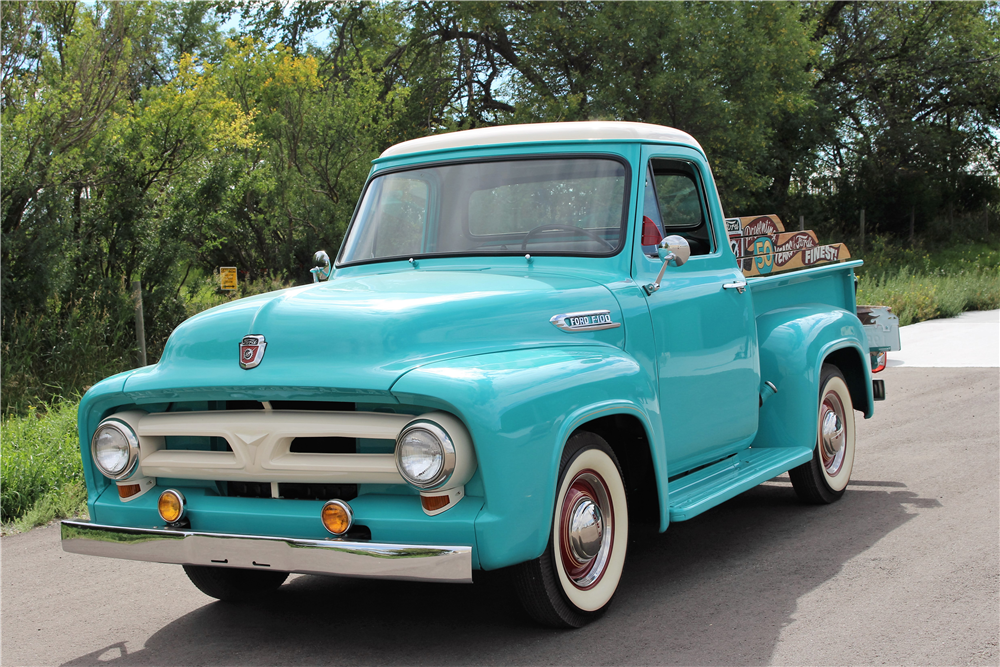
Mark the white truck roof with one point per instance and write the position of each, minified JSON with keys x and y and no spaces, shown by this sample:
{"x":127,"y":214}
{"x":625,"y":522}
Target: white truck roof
{"x":545,"y":132}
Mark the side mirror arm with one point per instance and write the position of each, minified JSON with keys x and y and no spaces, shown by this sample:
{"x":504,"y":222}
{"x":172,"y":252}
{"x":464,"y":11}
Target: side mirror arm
{"x":673,"y":250}
{"x":655,"y":285}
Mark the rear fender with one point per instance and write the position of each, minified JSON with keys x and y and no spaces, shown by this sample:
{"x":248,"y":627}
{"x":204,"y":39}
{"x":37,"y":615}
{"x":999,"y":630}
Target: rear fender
{"x":520,"y":408}
{"x":794,"y":343}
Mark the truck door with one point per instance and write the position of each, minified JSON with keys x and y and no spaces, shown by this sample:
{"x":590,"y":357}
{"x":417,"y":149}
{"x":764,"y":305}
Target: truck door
{"x":705,"y":333}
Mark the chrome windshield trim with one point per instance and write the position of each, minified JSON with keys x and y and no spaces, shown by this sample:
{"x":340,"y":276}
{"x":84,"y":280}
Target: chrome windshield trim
{"x":413,"y":562}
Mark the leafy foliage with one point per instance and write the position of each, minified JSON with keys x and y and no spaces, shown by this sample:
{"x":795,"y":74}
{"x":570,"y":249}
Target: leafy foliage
{"x":905,"y":117}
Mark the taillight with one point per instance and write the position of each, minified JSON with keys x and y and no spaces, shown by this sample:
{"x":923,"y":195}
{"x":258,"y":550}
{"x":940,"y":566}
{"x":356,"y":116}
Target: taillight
{"x":879,"y":360}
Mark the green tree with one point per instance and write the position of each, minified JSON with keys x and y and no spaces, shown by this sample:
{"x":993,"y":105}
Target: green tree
{"x":268,"y":206}
{"x":59,"y":101}
{"x":905,"y":115}
{"x":722,"y":71}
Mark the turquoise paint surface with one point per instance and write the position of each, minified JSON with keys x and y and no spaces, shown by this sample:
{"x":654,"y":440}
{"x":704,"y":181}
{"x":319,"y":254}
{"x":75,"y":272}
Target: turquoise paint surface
{"x":640,"y":345}
{"x":471,"y":335}
{"x":319,"y":337}
{"x":793,"y":343}
{"x":102,"y":399}
{"x":520,"y":406}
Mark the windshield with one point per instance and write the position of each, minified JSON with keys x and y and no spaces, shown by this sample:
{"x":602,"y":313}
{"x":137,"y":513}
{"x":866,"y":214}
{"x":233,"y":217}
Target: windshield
{"x":564,"y":206}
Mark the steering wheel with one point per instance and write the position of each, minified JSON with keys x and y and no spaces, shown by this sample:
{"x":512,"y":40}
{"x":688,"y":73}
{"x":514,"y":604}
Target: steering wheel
{"x":566,"y":228}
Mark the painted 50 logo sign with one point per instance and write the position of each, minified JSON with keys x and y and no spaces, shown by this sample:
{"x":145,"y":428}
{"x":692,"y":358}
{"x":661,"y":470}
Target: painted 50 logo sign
{"x":763,"y":251}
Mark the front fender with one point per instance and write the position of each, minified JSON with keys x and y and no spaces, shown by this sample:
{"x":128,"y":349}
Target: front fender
{"x":794,"y":342}
{"x":520,"y":408}
{"x":96,"y":404}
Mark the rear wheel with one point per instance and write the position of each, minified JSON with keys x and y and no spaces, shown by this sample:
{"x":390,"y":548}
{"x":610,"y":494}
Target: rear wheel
{"x":824,"y":479}
{"x":234,"y":585}
{"x":573,"y":581}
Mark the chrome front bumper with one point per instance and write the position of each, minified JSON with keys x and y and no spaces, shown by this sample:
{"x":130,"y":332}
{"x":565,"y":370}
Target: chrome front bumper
{"x":284,"y":554}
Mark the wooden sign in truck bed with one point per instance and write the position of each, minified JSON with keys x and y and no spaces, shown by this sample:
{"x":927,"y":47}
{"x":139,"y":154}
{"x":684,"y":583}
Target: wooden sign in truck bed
{"x":762,"y":246}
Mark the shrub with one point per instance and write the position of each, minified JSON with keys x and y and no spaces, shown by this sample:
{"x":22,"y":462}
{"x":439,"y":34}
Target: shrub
{"x":58,"y":352}
{"x":40,"y":465}
{"x":205,"y":292}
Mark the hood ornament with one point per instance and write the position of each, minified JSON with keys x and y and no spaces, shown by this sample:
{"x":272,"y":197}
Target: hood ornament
{"x":252,"y":351}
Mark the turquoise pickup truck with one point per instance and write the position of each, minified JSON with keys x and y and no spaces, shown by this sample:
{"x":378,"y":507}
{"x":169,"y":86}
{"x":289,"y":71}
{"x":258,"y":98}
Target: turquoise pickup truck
{"x":531,"y":336}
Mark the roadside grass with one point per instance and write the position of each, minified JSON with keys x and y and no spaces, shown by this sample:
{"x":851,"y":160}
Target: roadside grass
{"x":915,"y":298}
{"x":41,"y":475}
{"x":923,"y":286}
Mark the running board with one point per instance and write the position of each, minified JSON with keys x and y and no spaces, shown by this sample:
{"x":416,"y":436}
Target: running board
{"x":704,"y":489}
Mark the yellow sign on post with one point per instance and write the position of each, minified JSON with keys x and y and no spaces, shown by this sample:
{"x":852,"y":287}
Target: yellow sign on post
{"x":228,"y":276}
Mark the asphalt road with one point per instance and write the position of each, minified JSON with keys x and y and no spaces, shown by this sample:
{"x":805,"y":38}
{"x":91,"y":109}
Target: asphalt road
{"x":904,"y":570}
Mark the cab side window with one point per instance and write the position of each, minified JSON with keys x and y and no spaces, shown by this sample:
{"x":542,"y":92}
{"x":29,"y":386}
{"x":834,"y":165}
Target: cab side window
{"x":677,"y":195}
{"x":680,"y":203}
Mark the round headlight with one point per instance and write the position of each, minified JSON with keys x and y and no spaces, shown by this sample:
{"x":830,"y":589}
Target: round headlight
{"x":425,"y":455}
{"x":115,"y":449}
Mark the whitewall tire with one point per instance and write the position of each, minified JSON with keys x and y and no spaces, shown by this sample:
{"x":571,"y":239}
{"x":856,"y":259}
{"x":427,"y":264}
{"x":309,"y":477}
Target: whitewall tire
{"x":574,"y":581}
{"x":824,"y":479}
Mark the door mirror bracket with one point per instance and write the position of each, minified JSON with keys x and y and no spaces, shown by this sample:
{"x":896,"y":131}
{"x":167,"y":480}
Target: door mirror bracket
{"x":673,"y":250}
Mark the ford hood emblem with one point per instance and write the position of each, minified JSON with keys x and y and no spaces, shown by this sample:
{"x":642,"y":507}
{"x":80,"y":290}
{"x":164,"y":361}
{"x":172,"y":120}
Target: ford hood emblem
{"x":252,"y":350}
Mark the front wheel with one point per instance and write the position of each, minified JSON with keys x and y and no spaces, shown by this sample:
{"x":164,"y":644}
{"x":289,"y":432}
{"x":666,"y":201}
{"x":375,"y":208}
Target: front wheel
{"x":234,"y":585}
{"x":573,"y":581}
{"x":824,"y":479}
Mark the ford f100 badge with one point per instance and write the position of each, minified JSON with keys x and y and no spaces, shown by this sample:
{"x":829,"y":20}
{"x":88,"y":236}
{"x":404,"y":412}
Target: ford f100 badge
{"x":590,"y":320}
{"x":252,"y":350}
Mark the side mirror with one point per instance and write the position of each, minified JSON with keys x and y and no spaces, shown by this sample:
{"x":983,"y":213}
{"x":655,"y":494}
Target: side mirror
{"x":323,"y":267}
{"x":673,"y":250}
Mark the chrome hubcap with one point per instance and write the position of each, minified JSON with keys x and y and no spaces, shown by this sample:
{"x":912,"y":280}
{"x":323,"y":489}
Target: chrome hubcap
{"x":586,"y":528}
{"x":833,"y":429}
{"x":832,"y":434}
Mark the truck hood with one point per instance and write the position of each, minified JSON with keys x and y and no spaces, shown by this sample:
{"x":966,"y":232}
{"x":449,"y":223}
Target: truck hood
{"x":358,"y":335}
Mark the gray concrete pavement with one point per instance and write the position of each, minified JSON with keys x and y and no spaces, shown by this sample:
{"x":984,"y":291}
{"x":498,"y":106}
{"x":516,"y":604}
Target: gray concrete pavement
{"x":971,"y":340}
{"x":904,"y":570}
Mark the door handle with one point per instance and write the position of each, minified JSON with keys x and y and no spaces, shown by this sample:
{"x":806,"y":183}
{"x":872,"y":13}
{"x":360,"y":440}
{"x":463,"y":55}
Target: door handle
{"x":739,"y":287}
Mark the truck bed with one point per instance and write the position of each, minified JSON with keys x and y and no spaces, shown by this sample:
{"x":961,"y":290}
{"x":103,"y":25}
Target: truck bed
{"x":830,"y":284}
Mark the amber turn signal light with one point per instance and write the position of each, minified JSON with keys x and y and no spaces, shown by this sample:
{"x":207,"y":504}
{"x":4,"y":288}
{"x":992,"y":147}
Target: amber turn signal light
{"x":432,"y":503}
{"x":337,"y":516}
{"x":128,"y":490}
{"x":171,"y":506}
